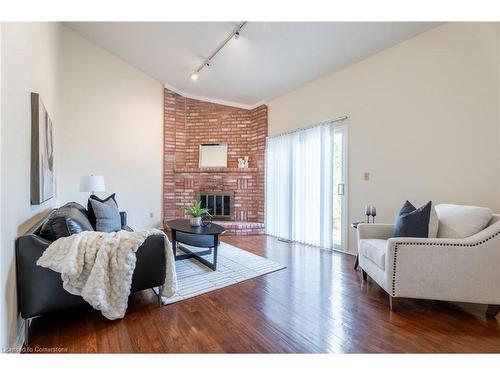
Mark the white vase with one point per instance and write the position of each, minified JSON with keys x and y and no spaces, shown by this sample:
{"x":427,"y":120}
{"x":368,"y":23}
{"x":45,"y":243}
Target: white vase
{"x":195,"y":221}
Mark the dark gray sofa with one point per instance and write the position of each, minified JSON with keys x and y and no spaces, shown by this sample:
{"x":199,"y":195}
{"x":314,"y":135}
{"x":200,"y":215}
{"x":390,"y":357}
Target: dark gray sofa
{"x":40,"y":289}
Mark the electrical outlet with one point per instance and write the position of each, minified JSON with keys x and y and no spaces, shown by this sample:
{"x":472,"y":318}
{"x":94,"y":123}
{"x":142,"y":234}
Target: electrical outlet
{"x":151,"y":215}
{"x":367,"y":176}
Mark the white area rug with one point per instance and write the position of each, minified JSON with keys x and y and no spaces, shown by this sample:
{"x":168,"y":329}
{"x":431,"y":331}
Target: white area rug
{"x":234,"y":265}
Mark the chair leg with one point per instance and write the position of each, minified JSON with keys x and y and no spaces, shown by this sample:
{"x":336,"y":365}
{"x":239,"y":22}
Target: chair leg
{"x":492,"y":311}
{"x":393,"y":303}
{"x":365,"y":275}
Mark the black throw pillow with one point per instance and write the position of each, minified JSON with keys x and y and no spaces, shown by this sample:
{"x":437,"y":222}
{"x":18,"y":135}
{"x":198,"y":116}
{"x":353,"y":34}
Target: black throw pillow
{"x":90,"y":210}
{"x":413,"y":222}
{"x":78,"y":206}
{"x":64,"y":222}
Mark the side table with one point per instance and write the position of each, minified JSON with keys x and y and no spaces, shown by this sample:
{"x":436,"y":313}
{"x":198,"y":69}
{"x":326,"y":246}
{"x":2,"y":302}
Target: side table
{"x":355,"y":226}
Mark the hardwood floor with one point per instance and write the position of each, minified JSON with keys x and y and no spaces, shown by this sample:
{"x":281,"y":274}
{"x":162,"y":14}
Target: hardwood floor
{"x":319,"y":304}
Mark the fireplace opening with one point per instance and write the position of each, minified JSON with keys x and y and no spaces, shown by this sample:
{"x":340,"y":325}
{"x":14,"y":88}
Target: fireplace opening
{"x":219,"y":203}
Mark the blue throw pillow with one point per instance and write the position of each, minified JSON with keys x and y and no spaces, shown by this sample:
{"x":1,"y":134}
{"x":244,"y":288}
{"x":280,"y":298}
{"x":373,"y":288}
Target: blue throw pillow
{"x":413,"y":222}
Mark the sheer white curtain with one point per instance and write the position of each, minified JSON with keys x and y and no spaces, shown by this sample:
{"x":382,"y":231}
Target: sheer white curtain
{"x":299,"y":186}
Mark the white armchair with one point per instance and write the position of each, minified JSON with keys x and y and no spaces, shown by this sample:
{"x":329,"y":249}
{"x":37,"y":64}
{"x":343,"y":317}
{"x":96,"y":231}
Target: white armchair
{"x":460,"y":270}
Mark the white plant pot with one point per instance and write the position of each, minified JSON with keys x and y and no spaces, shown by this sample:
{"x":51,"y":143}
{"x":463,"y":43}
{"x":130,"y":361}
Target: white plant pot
{"x":195,"y":221}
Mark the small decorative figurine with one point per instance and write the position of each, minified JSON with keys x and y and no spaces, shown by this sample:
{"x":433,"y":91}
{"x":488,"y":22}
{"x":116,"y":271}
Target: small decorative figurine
{"x":373,"y":212}
{"x":370,"y":211}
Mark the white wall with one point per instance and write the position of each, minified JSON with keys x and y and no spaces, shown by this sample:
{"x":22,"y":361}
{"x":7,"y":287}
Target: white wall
{"x":112,"y":125}
{"x":29,"y":64}
{"x":108,"y":119}
{"x":423,"y":120}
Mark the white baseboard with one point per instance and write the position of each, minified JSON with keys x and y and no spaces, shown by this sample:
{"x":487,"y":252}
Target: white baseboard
{"x":348,"y":252}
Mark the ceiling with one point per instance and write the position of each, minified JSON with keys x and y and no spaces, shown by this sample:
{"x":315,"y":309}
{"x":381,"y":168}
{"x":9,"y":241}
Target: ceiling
{"x":269,"y":59}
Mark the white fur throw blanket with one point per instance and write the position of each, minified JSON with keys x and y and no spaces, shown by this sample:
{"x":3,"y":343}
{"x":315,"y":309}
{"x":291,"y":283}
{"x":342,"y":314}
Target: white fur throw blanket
{"x":99,"y":267}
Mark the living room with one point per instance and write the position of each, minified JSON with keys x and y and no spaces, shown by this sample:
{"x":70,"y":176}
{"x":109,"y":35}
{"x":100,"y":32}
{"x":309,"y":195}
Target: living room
{"x":250,"y":186}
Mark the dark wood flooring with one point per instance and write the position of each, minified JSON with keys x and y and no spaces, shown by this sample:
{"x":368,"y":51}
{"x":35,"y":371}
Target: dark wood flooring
{"x":319,"y":304}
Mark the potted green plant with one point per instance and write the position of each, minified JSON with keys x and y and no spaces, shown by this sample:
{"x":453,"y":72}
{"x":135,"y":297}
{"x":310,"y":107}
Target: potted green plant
{"x":196,"y":213}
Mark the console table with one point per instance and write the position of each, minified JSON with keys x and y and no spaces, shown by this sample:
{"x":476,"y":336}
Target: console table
{"x":206,"y":237}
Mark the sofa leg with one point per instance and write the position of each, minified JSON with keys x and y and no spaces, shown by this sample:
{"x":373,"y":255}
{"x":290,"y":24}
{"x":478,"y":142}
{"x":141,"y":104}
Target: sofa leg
{"x":393,"y":303}
{"x":26,"y":332}
{"x":158,"y":293}
{"x":492,"y":311}
{"x":160,"y":289}
{"x":365,"y":275}
{"x":27,"y":323}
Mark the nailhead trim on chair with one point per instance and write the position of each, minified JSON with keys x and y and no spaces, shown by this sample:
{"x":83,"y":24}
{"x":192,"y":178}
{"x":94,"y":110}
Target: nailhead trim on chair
{"x":431,"y":244}
{"x":394,"y":270}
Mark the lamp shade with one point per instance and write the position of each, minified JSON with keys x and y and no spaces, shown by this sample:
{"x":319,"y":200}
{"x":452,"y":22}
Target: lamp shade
{"x":92,"y":183}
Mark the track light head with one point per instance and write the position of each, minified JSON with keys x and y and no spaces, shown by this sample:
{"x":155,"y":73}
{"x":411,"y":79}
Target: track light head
{"x":236,"y":35}
{"x":194,"y":76}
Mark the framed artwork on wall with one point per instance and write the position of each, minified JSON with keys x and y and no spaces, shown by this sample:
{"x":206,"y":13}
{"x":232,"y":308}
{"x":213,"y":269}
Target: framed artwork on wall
{"x":213,"y":155}
{"x":42,"y":152}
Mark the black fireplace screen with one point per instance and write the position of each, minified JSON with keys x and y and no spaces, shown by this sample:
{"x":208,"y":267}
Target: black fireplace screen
{"x":219,"y":203}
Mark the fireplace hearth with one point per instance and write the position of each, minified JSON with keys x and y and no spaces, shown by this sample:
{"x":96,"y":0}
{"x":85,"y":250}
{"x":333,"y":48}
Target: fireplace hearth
{"x":220,"y":204}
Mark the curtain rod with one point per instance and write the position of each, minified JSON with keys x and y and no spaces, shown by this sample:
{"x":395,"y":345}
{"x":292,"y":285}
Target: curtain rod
{"x":338,"y":119}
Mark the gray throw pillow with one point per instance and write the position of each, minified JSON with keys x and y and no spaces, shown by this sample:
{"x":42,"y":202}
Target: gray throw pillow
{"x":107,"y":215}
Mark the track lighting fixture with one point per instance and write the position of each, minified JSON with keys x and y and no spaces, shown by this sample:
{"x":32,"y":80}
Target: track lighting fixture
{"x":235,"y":33}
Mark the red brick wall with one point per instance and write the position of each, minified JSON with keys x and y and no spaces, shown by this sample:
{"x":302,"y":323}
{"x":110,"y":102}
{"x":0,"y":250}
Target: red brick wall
{"x":187,"y":124}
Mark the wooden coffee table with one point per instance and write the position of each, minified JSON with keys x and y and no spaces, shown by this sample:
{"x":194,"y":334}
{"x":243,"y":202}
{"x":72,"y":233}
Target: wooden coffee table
{"x":205,"y":237}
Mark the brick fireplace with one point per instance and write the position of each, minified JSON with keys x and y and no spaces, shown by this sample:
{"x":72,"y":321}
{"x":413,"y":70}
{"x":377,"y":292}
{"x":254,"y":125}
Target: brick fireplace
{"x":189,"y":123}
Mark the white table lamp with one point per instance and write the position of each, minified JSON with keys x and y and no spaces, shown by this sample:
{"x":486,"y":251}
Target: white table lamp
{"x":91,"y":184}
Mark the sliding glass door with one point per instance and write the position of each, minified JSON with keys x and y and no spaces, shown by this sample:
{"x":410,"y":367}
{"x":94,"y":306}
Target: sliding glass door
{"x":340,"y":224}
{"x":305,"y":186}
